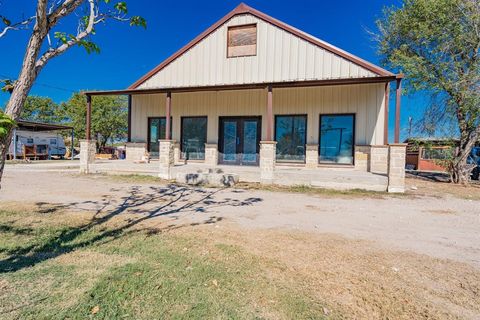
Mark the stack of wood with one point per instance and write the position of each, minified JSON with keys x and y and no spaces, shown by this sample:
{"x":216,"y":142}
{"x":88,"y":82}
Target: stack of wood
{"x":35,"y":152}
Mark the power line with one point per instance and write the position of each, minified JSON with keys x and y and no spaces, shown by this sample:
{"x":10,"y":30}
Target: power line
{"x":46,"y":85}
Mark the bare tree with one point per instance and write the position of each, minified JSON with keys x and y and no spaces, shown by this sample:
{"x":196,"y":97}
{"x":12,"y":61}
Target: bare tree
{"x":48,"y":14}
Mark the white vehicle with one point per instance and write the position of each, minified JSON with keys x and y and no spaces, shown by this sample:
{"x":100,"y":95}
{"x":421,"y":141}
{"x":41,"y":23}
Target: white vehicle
{"x":55,"y":142}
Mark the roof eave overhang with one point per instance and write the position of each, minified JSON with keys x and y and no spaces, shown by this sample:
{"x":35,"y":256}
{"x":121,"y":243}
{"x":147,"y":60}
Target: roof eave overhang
{"x":244,"y":9}
{"x":277,"y":85}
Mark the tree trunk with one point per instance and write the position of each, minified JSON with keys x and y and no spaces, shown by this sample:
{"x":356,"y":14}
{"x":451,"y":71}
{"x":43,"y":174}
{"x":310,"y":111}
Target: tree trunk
{"x":27,"y":76}
{"x":461,"y":171}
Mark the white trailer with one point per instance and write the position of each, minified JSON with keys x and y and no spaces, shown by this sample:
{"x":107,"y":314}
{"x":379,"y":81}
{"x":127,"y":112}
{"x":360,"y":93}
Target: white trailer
{"x":54,"y":141}
{"x":42,"y":136}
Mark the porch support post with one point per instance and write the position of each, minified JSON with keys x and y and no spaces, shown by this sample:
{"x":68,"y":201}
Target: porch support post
{"x":166,"y":159}
{"x":267,"y":161}
{"x":87,"y":155}
{"x":269,"y":113}
{"x":168,"y":110}
{"x":397,"y":110}
{"x":387,"y":98}
{"x":396,"y":167}
{"x":211,"y":154}
{"x":129,"y":132}
{"x":311,"y":156}
{"x":88,"y":135}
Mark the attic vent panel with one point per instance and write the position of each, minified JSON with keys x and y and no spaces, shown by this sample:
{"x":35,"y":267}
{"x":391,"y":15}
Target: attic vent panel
{"x":242,"y":41}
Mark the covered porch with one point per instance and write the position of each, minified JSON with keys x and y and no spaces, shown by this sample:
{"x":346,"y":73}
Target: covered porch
{"x":370,"y":164}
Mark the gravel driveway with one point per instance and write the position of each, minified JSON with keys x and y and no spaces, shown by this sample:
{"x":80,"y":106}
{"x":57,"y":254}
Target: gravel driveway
{"x":441,"y":226}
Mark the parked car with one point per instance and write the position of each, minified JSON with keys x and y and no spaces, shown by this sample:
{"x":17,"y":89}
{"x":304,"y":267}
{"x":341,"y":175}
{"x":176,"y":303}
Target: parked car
{"x":474,"y":158}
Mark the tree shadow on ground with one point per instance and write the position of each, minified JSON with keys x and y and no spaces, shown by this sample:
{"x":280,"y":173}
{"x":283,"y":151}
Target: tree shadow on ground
{"x":141,"y":203}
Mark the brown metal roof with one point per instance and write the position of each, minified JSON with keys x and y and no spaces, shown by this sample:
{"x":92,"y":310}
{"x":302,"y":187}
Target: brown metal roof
{"x":243,"y":9}
{"x":41,"y":126}
{"x":290,"y":84}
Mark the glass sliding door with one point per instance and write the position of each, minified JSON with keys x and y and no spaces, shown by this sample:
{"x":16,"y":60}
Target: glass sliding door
{"x":230,"y":138}
{"x":239,"y":140}
{"x":291,"y":136}
{"x":250,"y":141}
{"x":156,"y":131}
{"x":337,"y":138}
{"x":194,"y":137}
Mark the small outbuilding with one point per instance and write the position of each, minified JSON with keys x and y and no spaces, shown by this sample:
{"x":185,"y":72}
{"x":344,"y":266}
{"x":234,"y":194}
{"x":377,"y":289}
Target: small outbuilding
{"x":39,"y":141}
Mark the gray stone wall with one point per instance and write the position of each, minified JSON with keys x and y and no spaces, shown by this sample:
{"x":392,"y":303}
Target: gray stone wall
{"x":379,"y":159}
{"x":134,"y":151}
{"x":211,"y":154}
{"x":267,"y":161}
{"x":166,"y":159}
{"x":396,"y":167}
{"x":311,"y":156}
{"x":362,"y":158}
{"x":88,"y":148}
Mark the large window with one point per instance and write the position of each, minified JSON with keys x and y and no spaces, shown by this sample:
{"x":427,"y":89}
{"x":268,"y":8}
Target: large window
{"x":337,"y":138}
{"x":290,"y":134}
{"x":242,"y":41}
{"x":194,"y":137}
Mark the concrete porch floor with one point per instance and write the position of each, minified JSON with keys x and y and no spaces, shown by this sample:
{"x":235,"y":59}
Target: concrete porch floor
{"x":323,"y":177}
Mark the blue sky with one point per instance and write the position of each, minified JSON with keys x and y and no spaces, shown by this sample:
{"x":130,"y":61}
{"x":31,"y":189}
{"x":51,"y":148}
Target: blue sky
{"x":128,"y":53}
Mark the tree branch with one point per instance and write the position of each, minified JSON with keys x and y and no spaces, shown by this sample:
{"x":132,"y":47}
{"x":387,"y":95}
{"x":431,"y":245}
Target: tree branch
{"x":81,"y":35}
{"x":67,"y":7}
{"x":16,"y":26}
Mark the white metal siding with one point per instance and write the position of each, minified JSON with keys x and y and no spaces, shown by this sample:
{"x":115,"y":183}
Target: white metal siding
{"x":281,"y":56}
{"x":366,"y":101}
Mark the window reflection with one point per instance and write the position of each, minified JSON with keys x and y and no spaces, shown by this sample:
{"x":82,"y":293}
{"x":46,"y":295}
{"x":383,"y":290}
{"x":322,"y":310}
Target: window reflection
{"x":336,"y":138}
{"x":194,"y":137}
{"x":290,"y":134}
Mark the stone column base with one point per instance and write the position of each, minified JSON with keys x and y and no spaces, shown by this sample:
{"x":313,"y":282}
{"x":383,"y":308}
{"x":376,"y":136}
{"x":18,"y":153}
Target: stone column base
{"x":135,"y":151}
{"x":211,"y":154}
{"x":362,"y":158}
{"x":311,"y":156}
{"x":88,"y":148}
{"x":176,"y":154}
{"x":379,"y":159}
{"x":165,"y":159}
{"x":267,"y":161}
{"x":396,"y":167}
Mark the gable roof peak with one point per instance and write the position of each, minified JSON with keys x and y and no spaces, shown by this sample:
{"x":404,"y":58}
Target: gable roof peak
{"x":243,"y":8}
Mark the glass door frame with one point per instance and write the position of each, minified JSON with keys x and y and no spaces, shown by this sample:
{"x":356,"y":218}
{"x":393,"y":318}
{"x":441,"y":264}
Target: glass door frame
{"x":240,"y":145}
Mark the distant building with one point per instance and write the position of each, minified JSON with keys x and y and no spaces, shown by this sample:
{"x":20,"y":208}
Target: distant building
{"x":427,"y":154}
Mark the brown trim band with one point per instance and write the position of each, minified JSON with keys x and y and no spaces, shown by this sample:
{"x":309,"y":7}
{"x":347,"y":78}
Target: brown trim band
{"x":243,"y":9}
{"x":290,"y":84}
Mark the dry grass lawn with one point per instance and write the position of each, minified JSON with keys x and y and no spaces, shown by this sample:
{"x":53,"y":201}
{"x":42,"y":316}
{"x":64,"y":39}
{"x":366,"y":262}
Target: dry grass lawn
{"x":56,"y":264}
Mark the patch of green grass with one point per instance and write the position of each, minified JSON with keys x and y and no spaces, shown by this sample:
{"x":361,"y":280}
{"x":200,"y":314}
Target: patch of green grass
{"x":305,"y":189}
{"x":78,"y":271}
{"x":136,"y":178}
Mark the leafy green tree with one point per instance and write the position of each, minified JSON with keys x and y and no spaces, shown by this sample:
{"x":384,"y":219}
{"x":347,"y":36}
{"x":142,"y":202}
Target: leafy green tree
{"x":109,"y":117}
{"x":6,"y":123}
{"x":436,"y":44}
{"x":52,"y":34}
{"x":40,"y":109}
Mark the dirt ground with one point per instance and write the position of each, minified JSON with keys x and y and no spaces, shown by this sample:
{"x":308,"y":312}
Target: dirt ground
{"x":364,"y":255}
